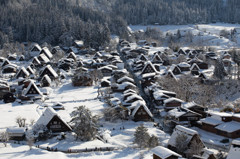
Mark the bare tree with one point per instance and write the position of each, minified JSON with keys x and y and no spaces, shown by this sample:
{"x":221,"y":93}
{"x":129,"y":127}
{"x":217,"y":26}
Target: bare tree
{"x":4,"y":138}
{"x":21,"y":121}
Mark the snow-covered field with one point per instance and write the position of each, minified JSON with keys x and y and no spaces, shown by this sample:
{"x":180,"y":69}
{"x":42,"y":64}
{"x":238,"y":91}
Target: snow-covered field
{"x":71,"y":97}
{"x":204,"y":34}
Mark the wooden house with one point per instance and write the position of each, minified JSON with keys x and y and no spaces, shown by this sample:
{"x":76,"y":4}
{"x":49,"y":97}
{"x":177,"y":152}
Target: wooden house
{"x":56,"y":49}
{"x":30,"y":70}
{"x":46,"y":52}
{"x":31,"y":92}
{"x":140,"y":112}
{"x":149,"y":68}
{"x":12,"y":57}
{"x":161,"y":152}
{"x":131,"y":98}
{"x":36,"y":62}
{"x":78,"y":44}
{"x":172,"y":103}
{"x":21,"y":58}
{"x":156,"y":59}
{"x":191,"y":136}
{"x":106,"y":70}
{"x":16,"y":133}
{"x":53,"y":121}
{"x":49,"y":71}
{"x":5,"y":62}
{"x":4,"y":88}
{"x":72,"y":49}
{"x":122,"y":87}
{"x":184,"y":66}
{"x":23,"y":73}
{"x":72,"y":55}
{"x":105,"y":83}
{"x":10,"y":68}
{"x":125,"y":79}
{"x":180,"y":51}
{"x":175,"y":69}
{"x":183,"y":116}
{"x":143,"y":57}
{"x":35,"y":50}
{"x":45,"y":81}
{"x":43,"y":59}
{"x":195,"y":69}
{"x":196,"y":108}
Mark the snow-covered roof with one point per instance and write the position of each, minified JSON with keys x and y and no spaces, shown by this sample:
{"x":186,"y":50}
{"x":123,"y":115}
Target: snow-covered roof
{"x":164,"y":153}
{"x":148,"y":63}
{"x":105,"y":67}
{"x":125,"y":84}
{"x":147,"y":75}
{"x":44,"y":58}
{"x":49,"y":67}
{"x":15,"y":130}
{"x":23,"y":69}
{"x":47,"y":115}
{"x":211,"y":121}
{"x":181,"y":130}
{"x":158,"y":95}
{"x":10,"y":66}
{"x":32,"y":84}
{"x":173,"y":67}
{"x":125,"y":78}
{"x":47,"y":52}
{"x":194,"y":65}
{"x":137,"y":104}
{"x":176,"y":112}
{"x":172,"y":99}
{"x":129,"y":90}
{"x":189,"y":105}
{"x":229,"y":126}
{"x":132,"y":96}
{"x":219,"y":115}
{"x":183,"y":64}
{"x":79,"y":42}
{"x":47,"y":78}
{"x":36,"y":60}
{"x":30,"y":70}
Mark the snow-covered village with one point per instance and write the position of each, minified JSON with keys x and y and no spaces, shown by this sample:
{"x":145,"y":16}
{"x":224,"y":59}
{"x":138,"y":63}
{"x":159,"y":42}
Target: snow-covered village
{"x":81,"y":88}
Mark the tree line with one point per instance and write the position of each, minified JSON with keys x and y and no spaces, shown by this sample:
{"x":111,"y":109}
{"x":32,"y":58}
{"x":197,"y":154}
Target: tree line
{"x":59,"y":22}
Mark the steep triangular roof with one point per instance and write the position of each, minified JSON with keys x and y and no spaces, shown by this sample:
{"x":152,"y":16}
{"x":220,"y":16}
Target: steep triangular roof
{"x":47,"y":116}
{"x":22,"y":72}
{"x":143,"y":57}
{"x":32,"y":89}
{"x":149,"y":68}
{"x":46,"y":52}
{"x":51,"y":70}
{"x":156,"y":59}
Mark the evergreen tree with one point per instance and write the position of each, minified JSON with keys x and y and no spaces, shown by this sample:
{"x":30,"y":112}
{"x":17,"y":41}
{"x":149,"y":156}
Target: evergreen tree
{"x":84,"y":123}
{"x":141,"y":136}
{"x":219,"y":70}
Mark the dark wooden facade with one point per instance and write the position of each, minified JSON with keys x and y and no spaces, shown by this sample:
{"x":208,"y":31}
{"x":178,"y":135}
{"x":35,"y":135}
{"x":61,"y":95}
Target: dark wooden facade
{"x":57,"y":125}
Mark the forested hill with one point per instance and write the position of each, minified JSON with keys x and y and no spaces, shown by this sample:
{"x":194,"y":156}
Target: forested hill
{"x":59,"y":21}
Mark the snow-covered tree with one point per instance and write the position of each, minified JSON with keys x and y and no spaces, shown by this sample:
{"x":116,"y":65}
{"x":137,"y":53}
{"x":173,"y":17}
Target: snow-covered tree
{"x":84,"y":123}
{"x":4,"y":138}
{"x":219,"y":70}
{"x":41,"y":131}
{"x":141,"y":136}
{"x":195,"y":148}
{"x":153,"y":141}
{"x":181,"y":143}
{"x":30,"y":138}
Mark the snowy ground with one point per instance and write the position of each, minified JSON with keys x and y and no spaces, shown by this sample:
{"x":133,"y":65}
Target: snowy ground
{"x":204,"y":34}
{"x":71,"y":97}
